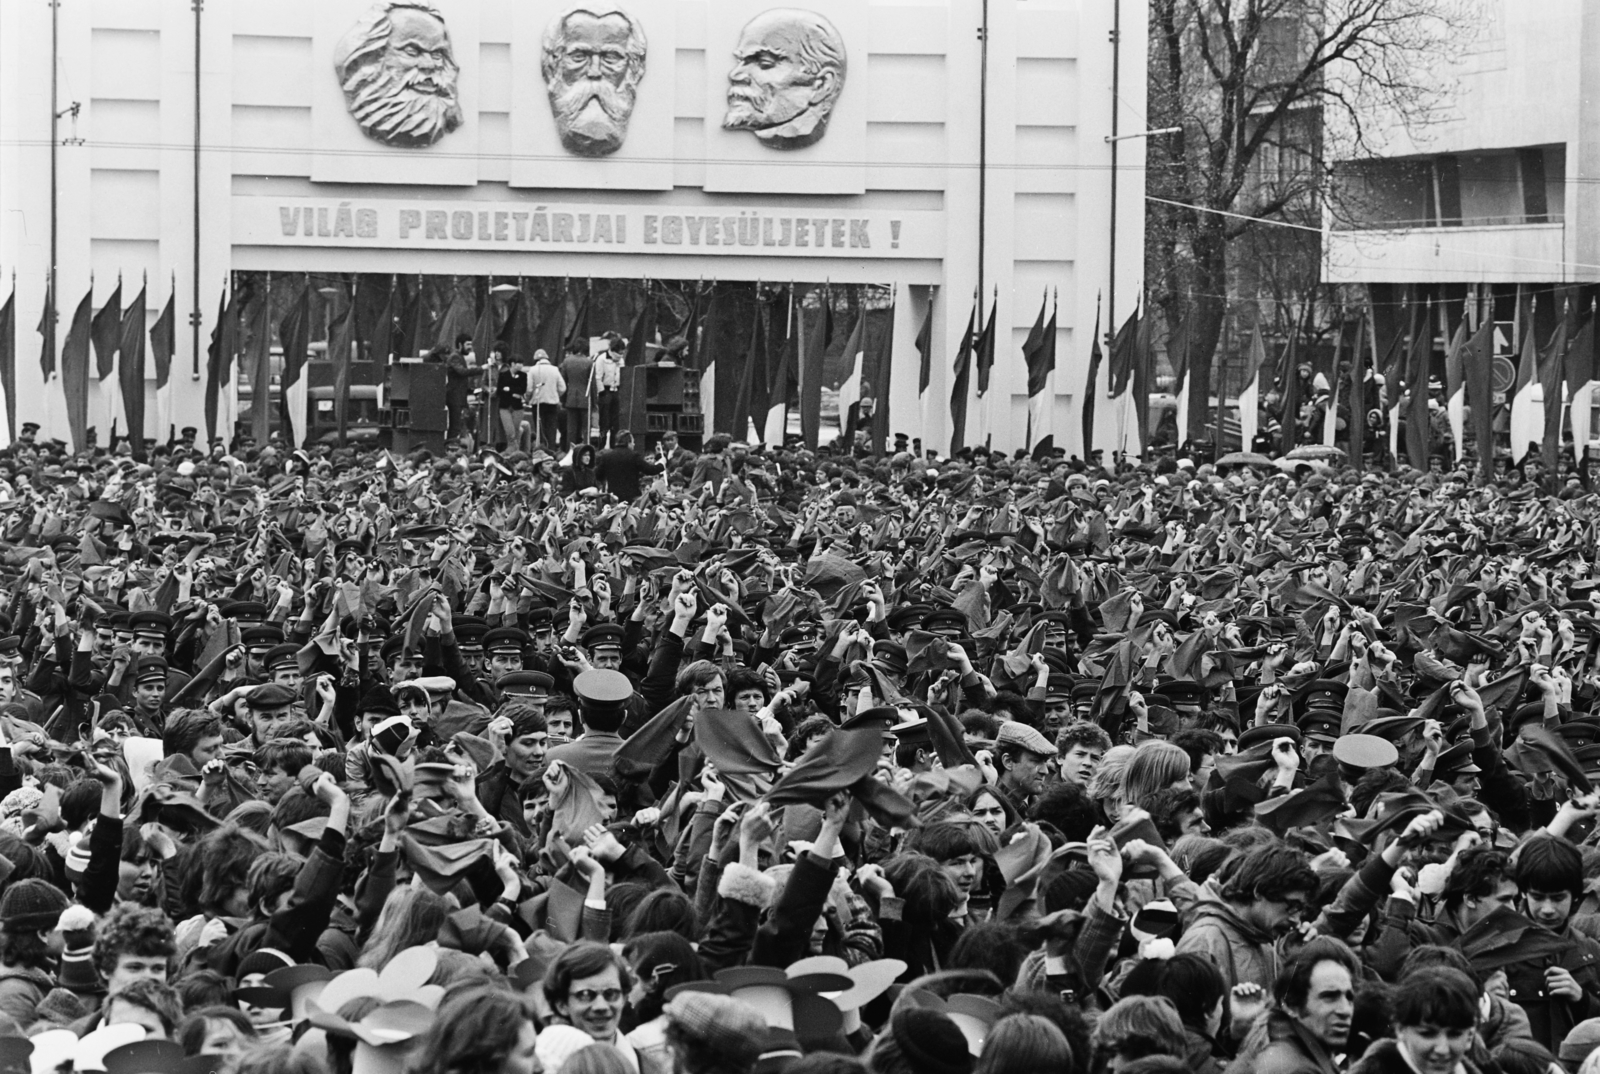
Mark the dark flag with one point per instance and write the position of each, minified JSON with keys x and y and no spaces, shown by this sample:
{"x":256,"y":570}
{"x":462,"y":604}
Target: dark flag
{"x":75,"y":372}
{"x":691,"y":329}
{"x":1418,"y":425}
{"x":850,"y":387}
{"x":578,"y":334}
{"x":8,"y":358}
{"x":983,"y":352}
{"x":1552,"y":369}
{"x":553,"y":332}
{"x":1178,"y":357}
{"x":163,"y":342}
{"x":753,"y":381}
{"x":783,"y":373}
{"x":341,"y":340}
{"x":813,"y":346}
{"x":1581,"y":383}
{"x":1039,"y":352}
{"x":643,"y":332}
{"x":259,"y":363}
{"x":1289,"y":420}
{"x":963,"y":379}
{"x":131,"y":372}
{"x":1579,"y":373}
{"x":457,"y":319}
{"x":1089,"y":388}
{"x":294,"y":332}
{"x":219,"y":357}
{"x":409,"y":329}
{"x":1039,"y":355}
{"x":106,"y":332}
{"x":882,"y":344}
{"x":381,"y":345}
{"x":47,"y":354}
{"x":1124,"y":347}
{"x":983,"y":349}
{"x":521,"y":341}
{"x":1477,"y":366}
{"x":487,"y":329}
{"x":924,"y":345}
{"x":1143,"y":374}
{"x":1358,"y":398}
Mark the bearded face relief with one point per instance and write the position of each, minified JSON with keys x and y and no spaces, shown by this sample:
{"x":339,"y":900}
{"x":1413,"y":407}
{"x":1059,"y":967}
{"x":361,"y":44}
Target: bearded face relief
{"x":592,"y":61}
{"x":399,"y":74}
{"x":789,"y":70}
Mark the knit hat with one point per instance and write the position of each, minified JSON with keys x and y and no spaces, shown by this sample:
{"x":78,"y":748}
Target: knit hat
{"x":1580,"y":1041}
{"x":61,"y":1007}
{"x":557,"y":1044}
{"x":31,"y":904}
{"x":729,"y":1027}
{"x":930,"y":1041}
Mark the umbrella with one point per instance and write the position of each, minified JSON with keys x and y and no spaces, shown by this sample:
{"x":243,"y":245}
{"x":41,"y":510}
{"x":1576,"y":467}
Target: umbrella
{"x":1289,"y":466}
{"x":1324,"y":452}
{"x":1244,"y":458}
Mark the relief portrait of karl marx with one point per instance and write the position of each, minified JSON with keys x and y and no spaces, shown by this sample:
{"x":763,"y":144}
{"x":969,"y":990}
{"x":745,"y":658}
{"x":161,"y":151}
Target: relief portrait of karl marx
{"x":399,"y":74}
{"x":592,"y":62}
{"x":788,"y":74}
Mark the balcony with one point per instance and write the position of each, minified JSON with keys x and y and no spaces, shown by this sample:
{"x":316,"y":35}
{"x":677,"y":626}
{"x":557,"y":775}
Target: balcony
{"x":1479,"y":253}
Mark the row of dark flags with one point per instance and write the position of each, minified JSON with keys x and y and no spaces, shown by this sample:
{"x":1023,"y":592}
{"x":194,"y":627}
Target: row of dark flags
{"x":115,"y":338}
{"x":760,"y":352}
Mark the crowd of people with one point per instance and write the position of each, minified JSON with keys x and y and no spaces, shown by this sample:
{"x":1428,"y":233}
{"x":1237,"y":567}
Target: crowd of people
{"x":760,"y":758}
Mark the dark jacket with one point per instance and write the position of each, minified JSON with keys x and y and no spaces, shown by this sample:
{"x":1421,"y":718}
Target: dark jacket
{"x":296,"y":929}
{"x":1550,"y":1018}
{"x":622,"y":469}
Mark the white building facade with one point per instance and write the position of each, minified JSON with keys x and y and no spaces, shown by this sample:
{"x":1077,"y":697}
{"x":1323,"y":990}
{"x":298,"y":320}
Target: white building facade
{"x":289,"y":183}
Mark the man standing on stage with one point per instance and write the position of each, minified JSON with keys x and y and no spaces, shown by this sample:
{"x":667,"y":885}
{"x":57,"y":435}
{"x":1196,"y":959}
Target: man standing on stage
{"x":575,"y":370}
{"x":546,"y":387}
{"x":607,"y":382}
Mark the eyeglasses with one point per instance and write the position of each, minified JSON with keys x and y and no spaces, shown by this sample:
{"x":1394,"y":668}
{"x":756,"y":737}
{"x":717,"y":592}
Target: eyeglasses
{"x":586,"y":996}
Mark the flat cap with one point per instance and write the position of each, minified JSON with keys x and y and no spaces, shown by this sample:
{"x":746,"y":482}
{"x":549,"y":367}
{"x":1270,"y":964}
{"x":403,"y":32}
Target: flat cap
{"x":1025,"y":737}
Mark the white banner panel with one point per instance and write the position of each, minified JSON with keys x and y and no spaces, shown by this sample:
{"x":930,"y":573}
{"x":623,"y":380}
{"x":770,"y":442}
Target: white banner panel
{"x":442,"y":224}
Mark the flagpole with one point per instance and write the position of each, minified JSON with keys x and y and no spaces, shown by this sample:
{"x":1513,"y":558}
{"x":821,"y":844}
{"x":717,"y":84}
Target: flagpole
{"x":1222,"y":388}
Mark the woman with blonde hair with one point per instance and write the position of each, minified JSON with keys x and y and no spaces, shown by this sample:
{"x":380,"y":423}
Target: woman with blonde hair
{"x":1106,"y":786}
{"x":1154,"y":766}
{"x":410,"y":917}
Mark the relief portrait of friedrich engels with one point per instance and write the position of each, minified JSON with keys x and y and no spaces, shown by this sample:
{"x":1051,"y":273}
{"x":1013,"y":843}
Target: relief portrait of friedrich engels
{"x":788,"y":74}
{"x":592,"y":61}
{"x":399,"y":74}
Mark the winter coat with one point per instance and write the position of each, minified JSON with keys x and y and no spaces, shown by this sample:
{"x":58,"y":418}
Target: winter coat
{"x":21,"y":991}
{"x":1238,"y":949}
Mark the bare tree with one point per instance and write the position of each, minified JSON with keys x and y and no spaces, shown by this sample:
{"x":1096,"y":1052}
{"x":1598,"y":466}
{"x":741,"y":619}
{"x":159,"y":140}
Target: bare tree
{"x":1269,"y":94}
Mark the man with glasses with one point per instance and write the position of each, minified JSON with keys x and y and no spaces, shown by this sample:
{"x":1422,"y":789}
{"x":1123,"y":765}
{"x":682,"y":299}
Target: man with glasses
{"x":1238,"y":929}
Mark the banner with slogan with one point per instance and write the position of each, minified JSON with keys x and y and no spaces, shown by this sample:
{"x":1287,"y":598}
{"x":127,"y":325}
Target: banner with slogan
{"x":391,"y":223}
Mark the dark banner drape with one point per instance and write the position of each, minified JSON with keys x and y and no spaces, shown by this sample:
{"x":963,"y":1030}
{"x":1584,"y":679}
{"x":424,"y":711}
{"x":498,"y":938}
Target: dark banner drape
{"x":131,"y":371}
{"x":816,"y":331}
{"x":8,"y":358}
{"x":75,"y":372}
